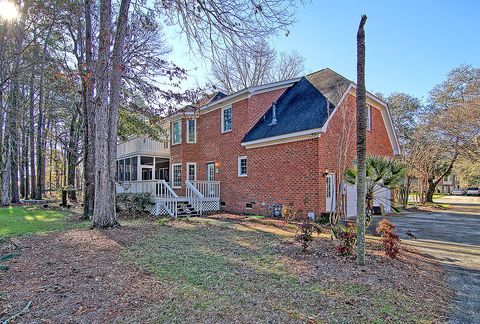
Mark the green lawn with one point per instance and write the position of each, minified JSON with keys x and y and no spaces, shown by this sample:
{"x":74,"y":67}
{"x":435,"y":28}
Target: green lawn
{"x":239,"y":273}
{"x":33,"y":219}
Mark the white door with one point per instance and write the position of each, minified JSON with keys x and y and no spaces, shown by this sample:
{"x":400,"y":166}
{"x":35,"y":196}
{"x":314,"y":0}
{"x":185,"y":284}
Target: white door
{"x":211,"y":171}
{"x":351,"y":191}
{"x":330,"y":193}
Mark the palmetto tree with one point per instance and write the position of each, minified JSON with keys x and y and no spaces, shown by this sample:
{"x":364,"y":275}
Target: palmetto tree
{"x":382,"y":172}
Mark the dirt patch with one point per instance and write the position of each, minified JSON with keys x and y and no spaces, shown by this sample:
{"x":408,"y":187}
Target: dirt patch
{"x":78,"y":276}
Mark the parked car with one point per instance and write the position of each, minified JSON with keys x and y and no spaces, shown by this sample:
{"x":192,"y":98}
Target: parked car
{"x":473,"y":191}
{"x":459,"y":191}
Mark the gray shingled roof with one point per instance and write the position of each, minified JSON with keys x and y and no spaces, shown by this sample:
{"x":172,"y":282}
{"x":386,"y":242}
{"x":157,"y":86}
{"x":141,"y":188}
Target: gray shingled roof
{"x":331,"y":84}
{"x":300,"y":107}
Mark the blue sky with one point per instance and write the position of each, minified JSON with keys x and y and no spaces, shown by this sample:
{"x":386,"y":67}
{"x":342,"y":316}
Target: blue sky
{"x":411,"y":45}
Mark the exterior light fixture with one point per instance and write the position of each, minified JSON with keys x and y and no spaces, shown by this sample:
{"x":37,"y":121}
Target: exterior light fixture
{"x":325,"y":173}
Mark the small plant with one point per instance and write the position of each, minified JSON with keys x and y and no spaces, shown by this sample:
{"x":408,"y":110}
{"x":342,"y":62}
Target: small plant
{"x":289,"y":214}
{"x":390,"y":240}
{"x":307,"y":228}
{"x":347,"y":238}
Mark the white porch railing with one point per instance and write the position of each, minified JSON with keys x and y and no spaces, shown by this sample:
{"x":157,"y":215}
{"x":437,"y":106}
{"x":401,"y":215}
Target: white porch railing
{"x":165,"y":198}
{"x":202,"y":195}
{"x":209,"y":189}
{"x":208,"y":194}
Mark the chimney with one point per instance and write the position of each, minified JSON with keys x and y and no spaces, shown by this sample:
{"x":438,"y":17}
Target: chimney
{"x":274,"y":113}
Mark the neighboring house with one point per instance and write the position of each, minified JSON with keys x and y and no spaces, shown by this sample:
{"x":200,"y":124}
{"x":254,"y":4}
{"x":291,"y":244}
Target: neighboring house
{"x":448,"y":183}
{"x":286,"y":142}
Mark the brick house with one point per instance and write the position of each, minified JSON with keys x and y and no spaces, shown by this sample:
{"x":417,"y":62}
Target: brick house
{"x":287,"y":142}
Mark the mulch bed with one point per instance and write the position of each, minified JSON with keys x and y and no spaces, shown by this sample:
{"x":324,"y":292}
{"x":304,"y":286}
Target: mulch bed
{"x":411,"y":273}
{"x":77,"y":276}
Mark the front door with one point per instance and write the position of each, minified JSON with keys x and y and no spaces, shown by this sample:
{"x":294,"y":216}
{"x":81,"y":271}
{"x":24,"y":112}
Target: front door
{"x":211,"y":171}
{"x":330,"y":192}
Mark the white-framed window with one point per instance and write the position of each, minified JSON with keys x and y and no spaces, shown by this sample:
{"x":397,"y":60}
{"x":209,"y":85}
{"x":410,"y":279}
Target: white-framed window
{"x":176,"y":175}
{"x":177,"y":132}
{"x":226,"y":119}
{"x":369,"y":118}
{"x":242,"y":166}
{"x":191,"y":171}
{"x":191,"y":130}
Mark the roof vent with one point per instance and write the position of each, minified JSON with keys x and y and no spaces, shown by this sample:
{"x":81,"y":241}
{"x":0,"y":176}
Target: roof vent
{"x":274,"y":113}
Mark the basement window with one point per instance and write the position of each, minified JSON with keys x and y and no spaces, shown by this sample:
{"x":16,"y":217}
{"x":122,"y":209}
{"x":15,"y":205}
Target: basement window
{"x":249,"y":205}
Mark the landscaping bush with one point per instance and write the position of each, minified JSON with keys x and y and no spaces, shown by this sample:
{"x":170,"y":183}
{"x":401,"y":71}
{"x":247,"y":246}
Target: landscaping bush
{"x":390,"y":240}
{"x":135,"y":203}
{"x":307,"y":228}
{"x":347,"y":238}
{"x":289,"y":214}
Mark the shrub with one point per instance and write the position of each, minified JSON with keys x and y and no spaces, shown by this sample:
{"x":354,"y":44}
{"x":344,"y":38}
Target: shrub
{"x":134,"y":203}
{"x":347,"y":238}
{"x":289,"y":214}
{"x":390,"y":240}
{"x":307,"y":228}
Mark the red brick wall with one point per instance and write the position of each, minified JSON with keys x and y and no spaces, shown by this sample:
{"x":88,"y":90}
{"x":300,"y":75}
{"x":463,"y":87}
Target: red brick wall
{"x":285,"y":173}
{"x":337,"y":147}
{"x":212,"y":145}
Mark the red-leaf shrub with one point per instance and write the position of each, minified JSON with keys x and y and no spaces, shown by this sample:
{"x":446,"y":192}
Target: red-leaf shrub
{"x":347,"y":237}
{"x":390,"y":240}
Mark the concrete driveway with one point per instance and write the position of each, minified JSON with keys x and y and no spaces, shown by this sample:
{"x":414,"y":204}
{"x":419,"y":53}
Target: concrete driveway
{"x":451,"y":237}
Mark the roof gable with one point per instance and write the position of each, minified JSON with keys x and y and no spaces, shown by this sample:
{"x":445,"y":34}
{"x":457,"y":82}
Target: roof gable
{"x":299,"y":108}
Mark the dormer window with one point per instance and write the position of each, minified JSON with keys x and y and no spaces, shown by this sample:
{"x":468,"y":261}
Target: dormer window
{"x":226,"y":119}
{"x":177,"y":132}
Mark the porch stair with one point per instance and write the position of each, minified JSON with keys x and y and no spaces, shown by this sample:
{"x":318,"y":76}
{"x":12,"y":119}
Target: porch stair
{"x":185,"y":209}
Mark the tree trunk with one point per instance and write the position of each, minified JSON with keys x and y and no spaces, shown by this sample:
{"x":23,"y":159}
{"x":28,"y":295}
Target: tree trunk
{"x":107,"y":114}
{"x":33,"y":170}
{"x":361,"y":141}
{"x":23,"y":161}
{"x":432,"y":183}
{"x":88,"y":83}
{"x":40,"y":125}
{"x":72,"y":158}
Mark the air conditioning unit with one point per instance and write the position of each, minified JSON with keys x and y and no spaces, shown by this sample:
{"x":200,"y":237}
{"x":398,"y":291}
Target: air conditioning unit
{"x":276,"y":210}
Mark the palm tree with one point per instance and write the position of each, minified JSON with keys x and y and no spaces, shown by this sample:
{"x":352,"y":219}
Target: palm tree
{"x":381,"y":172}
{"x":361,"y":103}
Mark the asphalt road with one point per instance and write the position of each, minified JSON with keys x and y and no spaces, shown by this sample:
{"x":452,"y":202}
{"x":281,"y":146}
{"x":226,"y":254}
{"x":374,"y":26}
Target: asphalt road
{"x":451,"y":237}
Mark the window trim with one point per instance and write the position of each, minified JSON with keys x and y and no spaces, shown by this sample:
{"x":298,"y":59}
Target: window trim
{"x":179,"y":121}
{"x":369,"y":118}
{"x":239,"y":166}
{"x":194,"y":131}
{"x":223,"y":119}
{"x":173,"y":175}
{"x":188,"y":173}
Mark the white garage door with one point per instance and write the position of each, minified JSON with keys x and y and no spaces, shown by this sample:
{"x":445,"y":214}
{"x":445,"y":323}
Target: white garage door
{"x":351,"y":191}
{"x":381,"y":197}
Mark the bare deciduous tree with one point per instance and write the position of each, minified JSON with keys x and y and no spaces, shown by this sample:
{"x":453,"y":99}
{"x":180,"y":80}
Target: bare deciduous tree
{"x":235,"y":70}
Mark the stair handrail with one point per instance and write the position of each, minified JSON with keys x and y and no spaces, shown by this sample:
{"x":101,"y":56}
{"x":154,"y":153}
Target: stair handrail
{"x":194,"y":196}
{"x":170,"y":190}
